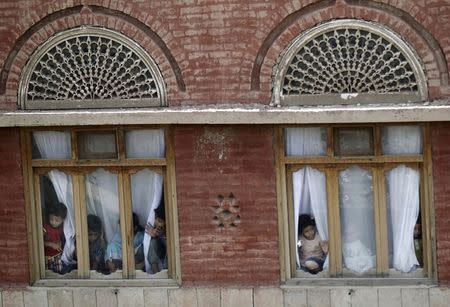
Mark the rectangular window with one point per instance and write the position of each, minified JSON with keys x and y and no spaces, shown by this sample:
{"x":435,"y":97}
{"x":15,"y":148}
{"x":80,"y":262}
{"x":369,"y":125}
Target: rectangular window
{"x":357,"y":201}
{"x":102,"y":203}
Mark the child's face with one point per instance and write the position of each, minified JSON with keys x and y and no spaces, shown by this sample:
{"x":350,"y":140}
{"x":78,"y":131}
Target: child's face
{"x":417,"y":231}
{"x":93,"y":236}
{"x":55,"y":221}
{"x":160,"y":223}
{"x":309,"y":232}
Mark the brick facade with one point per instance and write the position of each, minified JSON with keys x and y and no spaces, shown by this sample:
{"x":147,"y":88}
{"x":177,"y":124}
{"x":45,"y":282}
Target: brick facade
{"x":213,"y":161}
{"x":13,"y":230}
{"x":441,"y":178}
{"x":215,"y":52}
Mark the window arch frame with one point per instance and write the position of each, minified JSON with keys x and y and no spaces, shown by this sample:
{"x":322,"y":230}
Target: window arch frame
{"x":286,"y":57}
{"x":112,"y":35}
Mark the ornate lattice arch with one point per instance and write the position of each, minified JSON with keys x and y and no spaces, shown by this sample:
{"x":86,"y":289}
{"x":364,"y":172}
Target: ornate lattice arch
{"x":346,"y":62}
{"x":90,"y":67}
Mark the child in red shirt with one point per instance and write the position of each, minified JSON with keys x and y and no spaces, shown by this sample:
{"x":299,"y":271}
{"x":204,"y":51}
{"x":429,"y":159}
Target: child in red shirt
{"x":54,"y":238}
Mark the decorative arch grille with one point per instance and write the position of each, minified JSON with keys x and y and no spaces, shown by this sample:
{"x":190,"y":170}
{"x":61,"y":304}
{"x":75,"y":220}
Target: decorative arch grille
{"x":91,"y":68}
{"x":348,"y":61}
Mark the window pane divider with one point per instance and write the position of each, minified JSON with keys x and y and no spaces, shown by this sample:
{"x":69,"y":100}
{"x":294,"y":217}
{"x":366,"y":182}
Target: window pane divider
{"x":99,"y":163}
{"x":170,"y":202}
{"x":73,"y":145}
{"x":126,"y":226}
{"x":291,"y":222}
{"x":353,"y":160}
{"x":120,"y":140}
{"x":33,"y":237}
{"x":380,"y":216}
{"x":81,"y":228}
{"x":377,"y":140}
{"x":38,"y":211}
{"x":334,"y":230}
{"x":427,"y":206}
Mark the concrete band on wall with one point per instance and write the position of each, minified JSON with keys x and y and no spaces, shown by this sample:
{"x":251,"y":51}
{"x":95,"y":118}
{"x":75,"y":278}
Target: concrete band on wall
{"x":232,"y":114}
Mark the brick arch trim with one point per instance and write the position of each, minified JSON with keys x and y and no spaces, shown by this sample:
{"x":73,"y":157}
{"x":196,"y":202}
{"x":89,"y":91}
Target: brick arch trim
{"x":290,"y":19}
{"x":432,"y":43}
{"x":21,"y":41}
{"x":276,"y":32}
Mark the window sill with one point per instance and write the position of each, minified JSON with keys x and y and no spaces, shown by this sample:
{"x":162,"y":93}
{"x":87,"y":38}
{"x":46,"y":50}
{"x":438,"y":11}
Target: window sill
{"x":160,"y":283}
{"x":359,"y":282}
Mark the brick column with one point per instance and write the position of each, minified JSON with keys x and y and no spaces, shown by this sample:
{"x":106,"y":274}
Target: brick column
{"x":212,"y":162}
{"x":441,"y":177}
{"x":13,"y":231}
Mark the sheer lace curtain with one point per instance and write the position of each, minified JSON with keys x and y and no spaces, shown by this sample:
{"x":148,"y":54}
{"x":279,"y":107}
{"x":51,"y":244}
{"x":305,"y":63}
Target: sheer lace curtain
{"x":357,"y":219}
{"x":146,"y":191}
{"x":403,"y":210}
{"x":306,"y":141}
{"x":146,"y":185}
{"x":309,"y":185}
{"x":56,"y":145}
{"x":145,"y":143}
{"x":401,"y":140}
{"x":102,"y":200}
{"x":53,"y":145}
{"x":403,"y":199}
{"x":309,"y":189}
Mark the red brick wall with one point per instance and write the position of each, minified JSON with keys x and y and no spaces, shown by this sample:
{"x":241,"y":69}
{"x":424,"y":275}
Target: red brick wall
{"x":13,"y":231}
{"x":213,"y":160}
{"x":216,"y":43}
{"x":441,"y":178}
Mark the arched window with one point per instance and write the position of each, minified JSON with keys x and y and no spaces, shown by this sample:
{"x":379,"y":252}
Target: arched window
{"x":348,"y":62}
{"x":90,"y":67}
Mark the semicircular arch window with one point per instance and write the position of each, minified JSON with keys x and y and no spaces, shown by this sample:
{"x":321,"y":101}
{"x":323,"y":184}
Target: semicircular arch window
{"x":90,"y":67}
{"x":348,"y":62}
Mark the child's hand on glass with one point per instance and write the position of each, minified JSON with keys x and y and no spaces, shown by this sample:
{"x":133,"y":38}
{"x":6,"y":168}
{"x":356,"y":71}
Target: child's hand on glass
{"x":152,"y":231}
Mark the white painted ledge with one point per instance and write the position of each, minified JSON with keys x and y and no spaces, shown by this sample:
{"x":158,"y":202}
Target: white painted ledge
{"x":232,"y":114}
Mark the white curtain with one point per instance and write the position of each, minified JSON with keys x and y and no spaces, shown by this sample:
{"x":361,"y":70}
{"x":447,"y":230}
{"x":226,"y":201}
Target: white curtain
{"x":56,"y":145}
{"x":310,"y":197}
{"x":53,"y":145}
{"x":145,"y":143}
{"x":401,"y":140}
{"x":306,"y":141}
{"x":146,"y":189}
{"x":403,"y":210}
{"x":146,"y":185}
{"x":62,"y":184}
{"x":102,"y":200}
{"x":357,"y":219}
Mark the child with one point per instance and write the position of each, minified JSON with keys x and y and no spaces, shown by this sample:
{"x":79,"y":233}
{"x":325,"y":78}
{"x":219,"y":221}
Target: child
{"x":113,"y":255}
{"x":312,"y":250}
{"x":157,"y":250}
{"x":418,"y":247}
{"x":54,"y":238}
{"x":96,"y":243}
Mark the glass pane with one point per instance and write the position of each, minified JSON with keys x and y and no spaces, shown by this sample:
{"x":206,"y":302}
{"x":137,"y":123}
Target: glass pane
{"x":145,"y":143}
{"x":311,"y":141}
{"x":58,"y":224}
{"x":97,"y":145}
{"x":401,"y":140}
{"x":51,"y":145}
{"x":353,"y":141}
{"x":103,"y":220}
{"x":357,"y":219}
{"x":310,"y":206}
{"x":150,"y":246}
{"x":404,"y":223}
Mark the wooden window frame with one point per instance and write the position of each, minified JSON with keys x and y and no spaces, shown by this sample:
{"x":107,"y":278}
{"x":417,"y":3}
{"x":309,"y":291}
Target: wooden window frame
{"x":331,"y":165}
{"x":124,"y":167}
